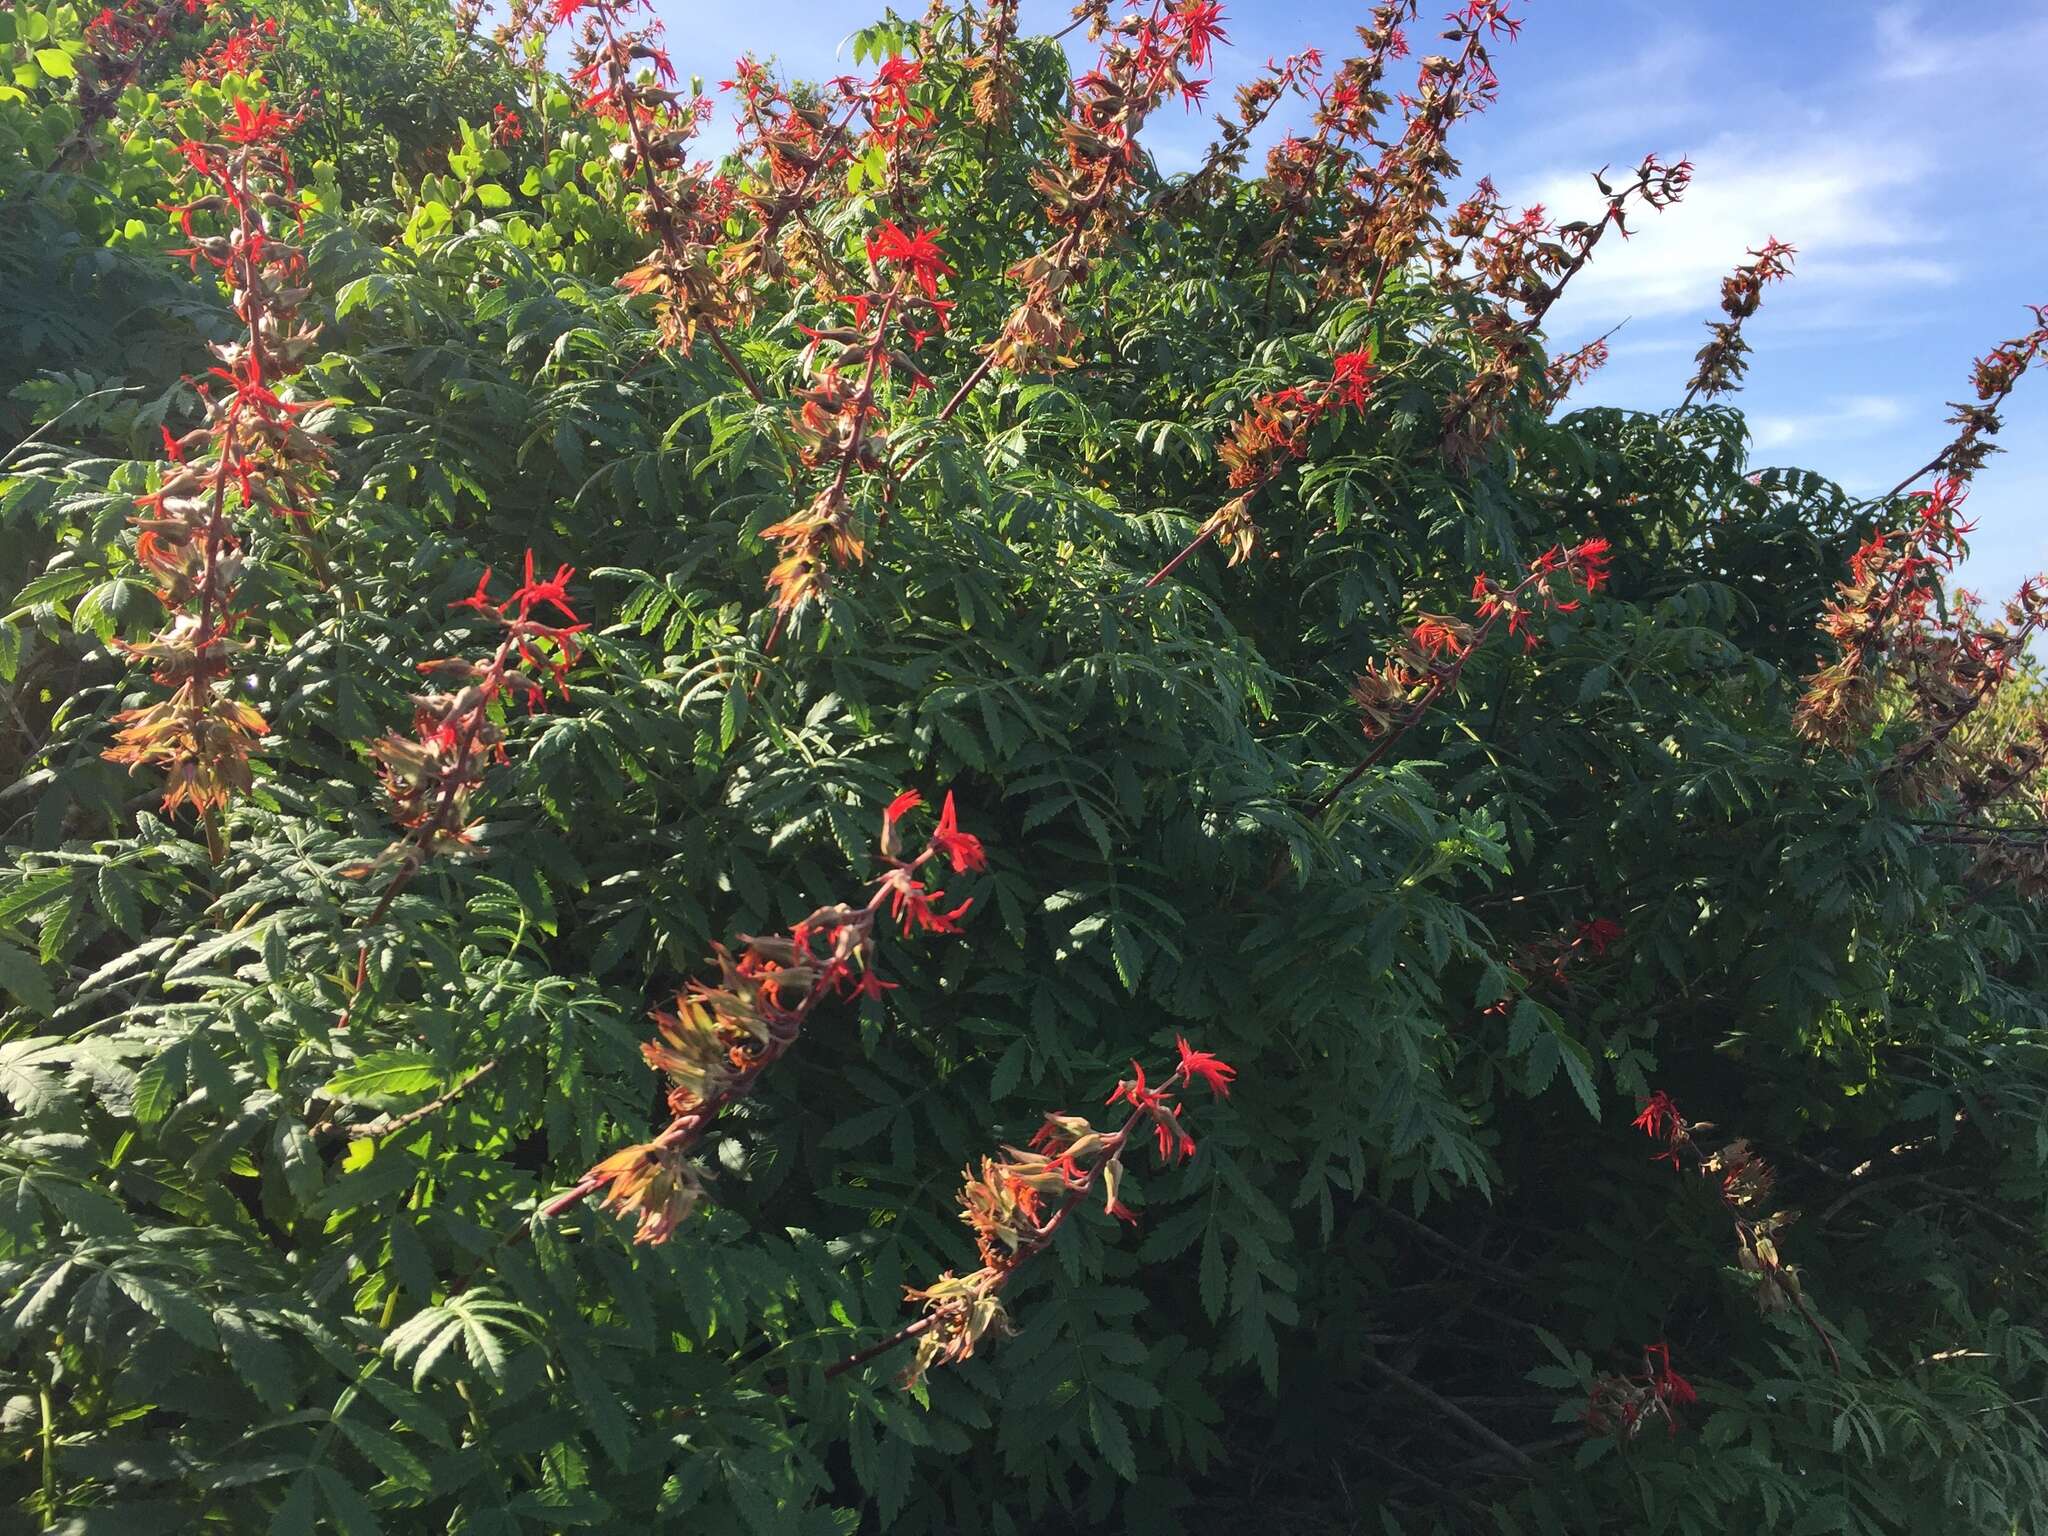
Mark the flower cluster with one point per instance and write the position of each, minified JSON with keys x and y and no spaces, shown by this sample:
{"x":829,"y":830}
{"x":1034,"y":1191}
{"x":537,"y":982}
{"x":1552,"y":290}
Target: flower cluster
{"x":1016,"y":1203}
{"x":250,"y":455}
{"x":1622,"y":1405}
{"x":119,"y":41}
{"x":796,"y":151}
{"x":1553,"y":959}
{"x":837,"y":422}
{"x":1263,"y":441}
{"x":1257,"y":99}
{"x":1904,"y":645}
{"x":1388,"y":209}
{"x":236,"y":53}
{"x":721,"y":1035}
{"x":1562,"y":375}
{"x":1145,"y":59}
{"x":626,"y":77}
{"x":1300,"y":173}
{"x":1890,"y":596}
{"x":993,"y":74}
{"x":1724,"y":359}
{"x":431,"y":777}
{"x":1394,"y":695}
{"x":1527,"y":261}
{"x":1950,"y":670}
{"x":1743,"y":1182}
{"x":1994,"y":376}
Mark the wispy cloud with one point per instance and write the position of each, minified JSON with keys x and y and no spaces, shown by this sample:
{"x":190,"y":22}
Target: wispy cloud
{"x":1908,"y":46}
{"x":1851,"y":416}
{"x":1837,"y":201}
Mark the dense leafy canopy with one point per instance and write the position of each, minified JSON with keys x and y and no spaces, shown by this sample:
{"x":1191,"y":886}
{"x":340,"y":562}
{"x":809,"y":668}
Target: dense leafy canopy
{"x":275,"y":1127}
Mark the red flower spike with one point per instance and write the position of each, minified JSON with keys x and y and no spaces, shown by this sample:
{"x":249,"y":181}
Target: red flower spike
{"x":1600,"y":934}
{"x":1351,"y":378}
{"x":1660,"y":1117}
{"x":1201,"y":29}
{"x":480,"y":599}
{"x":918,"y":252}
{"x":254,"y":125}
{"x":1212,"y":1070}
{"x":963,"y":849}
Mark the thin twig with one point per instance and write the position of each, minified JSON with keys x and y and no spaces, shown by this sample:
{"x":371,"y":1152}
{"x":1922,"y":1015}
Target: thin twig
{"x":1453,"y":1412}
{"x":389,"y":1124}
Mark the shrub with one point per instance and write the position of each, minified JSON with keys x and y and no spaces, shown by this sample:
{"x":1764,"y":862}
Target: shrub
{"x":935,"y":493}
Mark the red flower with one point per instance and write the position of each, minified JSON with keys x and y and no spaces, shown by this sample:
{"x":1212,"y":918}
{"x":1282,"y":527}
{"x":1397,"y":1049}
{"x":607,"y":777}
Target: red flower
{"x":554,"y":591}
{"x":1599,"y":934}
{"x":1210,"y":1069}
{"x":962,"y":848}
{"x":911,"y":905}
{"x":1590,"y":557}
{"x":1201,"y":29}
{"x":254,"y":125}
{"x":1661,"y":1121}
{"x":1351,"y":378}
{"x":1175,"y":1144}
{"x":901,"y":806}
{"x":1433,"y":637}
{"x":891,"y":90}
{"x":1133,"y":1091}
{"x":918,"y":251}
{"x":1671,"y":1387}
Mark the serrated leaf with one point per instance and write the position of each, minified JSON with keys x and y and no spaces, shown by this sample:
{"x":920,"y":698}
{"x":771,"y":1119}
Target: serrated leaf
{"x":263,"y":1364}
{"x":161,"y":1084}
{"x":22,"y":978}
{"x":1106,"y":1428}
{"x":383,"y":1079}
{"x":170,"y":1305}
{"x":32,"y":1075}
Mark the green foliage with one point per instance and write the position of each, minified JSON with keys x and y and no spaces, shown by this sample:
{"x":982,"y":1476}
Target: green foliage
{"x":225,"y":1311}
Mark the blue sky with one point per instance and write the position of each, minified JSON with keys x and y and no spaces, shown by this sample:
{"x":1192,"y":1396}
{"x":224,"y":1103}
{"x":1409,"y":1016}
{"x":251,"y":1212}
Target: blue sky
{"x":1899,"y":146}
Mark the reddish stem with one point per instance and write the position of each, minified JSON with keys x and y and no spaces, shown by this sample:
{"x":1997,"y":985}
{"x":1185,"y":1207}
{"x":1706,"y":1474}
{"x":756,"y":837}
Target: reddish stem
{"x":1166,"y":570}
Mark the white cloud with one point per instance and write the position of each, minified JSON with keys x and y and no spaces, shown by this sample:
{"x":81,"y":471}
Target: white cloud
{"x":1838,"y":202}
{"x":1908,"y":47}
{"x":1851,"y":416}
{"x":1905,"y":52}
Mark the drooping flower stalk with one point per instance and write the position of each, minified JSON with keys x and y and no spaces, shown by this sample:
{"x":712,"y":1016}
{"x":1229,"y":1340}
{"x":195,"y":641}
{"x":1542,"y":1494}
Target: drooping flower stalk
{"x":683,"y":206}
{"x":431,"y":777}
{"x":1302,"y":173}
{"x":721,"y":1036}
{"x":1393,"y":698}
{"x":1529,"y":263}
{"x":1387,"y":210}
{"x":838,"y":424}
{"x":1622,"y":1405}
{"x":1993,"y":377}
{"x":1087,"y":200}
{"x":121,"y":40}
{"x":1268,"y":437}
{"x":1016,"y":1204}
{"x":1742,"y":1181}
